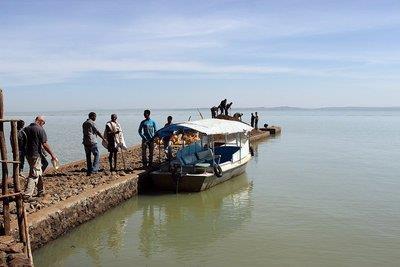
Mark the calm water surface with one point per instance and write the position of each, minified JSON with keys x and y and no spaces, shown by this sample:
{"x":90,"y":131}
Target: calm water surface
{"x":324,"y":193}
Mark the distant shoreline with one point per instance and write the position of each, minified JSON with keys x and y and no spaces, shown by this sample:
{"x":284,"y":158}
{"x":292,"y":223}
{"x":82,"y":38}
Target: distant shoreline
{"x":279,"y":108}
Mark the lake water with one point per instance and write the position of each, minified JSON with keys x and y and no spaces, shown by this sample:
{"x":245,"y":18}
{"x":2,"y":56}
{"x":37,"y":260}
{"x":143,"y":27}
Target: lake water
{"x":324,"y":193}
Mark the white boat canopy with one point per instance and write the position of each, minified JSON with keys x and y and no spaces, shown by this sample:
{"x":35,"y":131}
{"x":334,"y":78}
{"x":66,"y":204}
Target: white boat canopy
{"x":207,"y":126}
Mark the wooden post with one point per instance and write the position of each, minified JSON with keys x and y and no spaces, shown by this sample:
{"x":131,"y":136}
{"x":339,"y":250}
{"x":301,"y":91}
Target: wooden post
{"x":17,"y":186}
{"x":28,"y":239}
{"x":3,"y":151}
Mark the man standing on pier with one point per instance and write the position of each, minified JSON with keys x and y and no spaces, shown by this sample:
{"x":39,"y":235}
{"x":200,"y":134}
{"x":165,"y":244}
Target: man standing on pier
{"x":112,"y":134}
{"x":36,"y":141}
{"x":147,"y":129}
{"x":252,"y":120}
{"x":256,"y":121}
{"x":90,"y":133}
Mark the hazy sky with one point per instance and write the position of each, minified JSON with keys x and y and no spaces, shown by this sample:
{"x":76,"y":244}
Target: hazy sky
{"x":57,"y":55}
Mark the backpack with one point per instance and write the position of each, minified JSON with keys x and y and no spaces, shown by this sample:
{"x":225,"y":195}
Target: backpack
{"x":22,"y":140}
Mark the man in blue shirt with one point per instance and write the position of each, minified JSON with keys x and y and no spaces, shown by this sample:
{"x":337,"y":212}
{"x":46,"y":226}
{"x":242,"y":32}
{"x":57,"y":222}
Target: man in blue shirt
{"x":147,"y":129}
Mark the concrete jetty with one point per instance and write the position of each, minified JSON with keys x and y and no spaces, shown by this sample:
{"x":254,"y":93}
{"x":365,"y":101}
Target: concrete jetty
{"x":263,"y":133}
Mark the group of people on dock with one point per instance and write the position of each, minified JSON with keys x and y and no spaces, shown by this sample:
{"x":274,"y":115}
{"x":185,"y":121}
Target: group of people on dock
{"x":34,"y":146}
{"x":113,"y":140}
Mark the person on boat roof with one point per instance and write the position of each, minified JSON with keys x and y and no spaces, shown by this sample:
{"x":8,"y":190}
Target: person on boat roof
{"x":222,"y":106}
{"x":214,"y":111}
{"x":227,"y":108}
{"x":147,"y":129}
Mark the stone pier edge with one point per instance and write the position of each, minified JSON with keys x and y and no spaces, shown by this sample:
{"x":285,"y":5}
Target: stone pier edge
{"x":52,"y":222}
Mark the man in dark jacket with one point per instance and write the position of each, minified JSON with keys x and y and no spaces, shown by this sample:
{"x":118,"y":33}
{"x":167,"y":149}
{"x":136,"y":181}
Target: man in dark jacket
{"x":252,"y":120}
{"x":90,"y":133}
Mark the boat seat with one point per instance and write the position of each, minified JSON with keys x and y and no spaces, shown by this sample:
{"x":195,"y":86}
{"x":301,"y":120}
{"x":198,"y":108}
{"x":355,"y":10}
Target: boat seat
{"x":200,"y":159}
{"x":204,"y":155}
{"x":226,"y":152}
{"x":189,"y":159}
{"x":207,"y":156}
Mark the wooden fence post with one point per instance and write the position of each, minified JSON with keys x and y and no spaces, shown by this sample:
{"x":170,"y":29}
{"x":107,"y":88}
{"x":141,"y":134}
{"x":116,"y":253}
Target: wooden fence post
{"x":17,"y":186}
{"x":3,"y":150}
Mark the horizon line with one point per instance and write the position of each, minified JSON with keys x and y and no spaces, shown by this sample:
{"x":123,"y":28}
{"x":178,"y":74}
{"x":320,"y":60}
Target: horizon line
{"x":206,"y":108}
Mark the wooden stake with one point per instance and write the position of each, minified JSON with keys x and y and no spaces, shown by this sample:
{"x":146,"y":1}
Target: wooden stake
{"x":28,"y":239}
{"x":3,"y":151}
{"x":10,"y":195}
{"x":23,"y":225}
{"x":17,"y":186}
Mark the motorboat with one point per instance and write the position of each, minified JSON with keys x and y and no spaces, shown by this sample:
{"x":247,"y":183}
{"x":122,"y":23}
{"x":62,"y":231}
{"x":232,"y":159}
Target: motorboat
{"x":220,"y":152}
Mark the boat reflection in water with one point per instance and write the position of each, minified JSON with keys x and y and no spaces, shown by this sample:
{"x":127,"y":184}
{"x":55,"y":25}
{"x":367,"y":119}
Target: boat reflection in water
{"x":152,"y":225}
{"x":192,"y":221}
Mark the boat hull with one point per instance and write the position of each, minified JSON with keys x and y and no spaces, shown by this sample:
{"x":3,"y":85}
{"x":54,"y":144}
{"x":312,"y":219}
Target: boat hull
{"x":164,"y":181}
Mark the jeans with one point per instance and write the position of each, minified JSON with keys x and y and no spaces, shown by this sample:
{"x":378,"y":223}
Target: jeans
{"x":150,"y":146}
{"x":89,"y":150}
{"x":21,"y":161}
